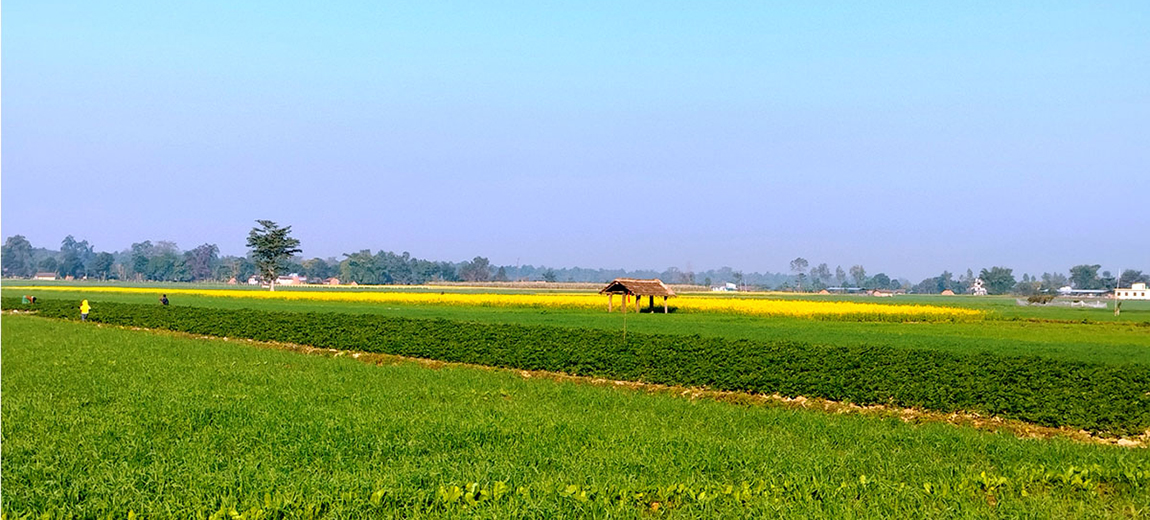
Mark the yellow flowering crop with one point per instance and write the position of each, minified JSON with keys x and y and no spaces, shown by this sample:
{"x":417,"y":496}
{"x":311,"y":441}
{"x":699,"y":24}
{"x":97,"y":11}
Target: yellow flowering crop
{"x":830,"y":310}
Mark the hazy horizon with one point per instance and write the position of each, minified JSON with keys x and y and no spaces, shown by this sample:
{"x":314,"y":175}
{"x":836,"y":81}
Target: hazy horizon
{"x":910,"y":139}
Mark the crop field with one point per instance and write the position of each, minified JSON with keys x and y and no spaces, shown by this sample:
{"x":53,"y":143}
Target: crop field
{"x":1115,"y":342}
{"x":99,"y":419}
{"x":823,"y":310}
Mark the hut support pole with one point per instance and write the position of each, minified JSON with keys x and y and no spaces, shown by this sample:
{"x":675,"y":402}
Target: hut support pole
{"x":664,"y":305}
{"x":651,"y":303}
{"x":610,"y":301}
{"x":638,"y":303}
{"x":625,"y":304}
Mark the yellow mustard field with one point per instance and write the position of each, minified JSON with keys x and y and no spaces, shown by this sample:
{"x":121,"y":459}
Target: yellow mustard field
{"x":829,"y":310}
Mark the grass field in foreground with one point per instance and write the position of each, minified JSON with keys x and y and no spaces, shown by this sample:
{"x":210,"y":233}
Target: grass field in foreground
{"x":99,"y":420}
{"x":1116,"y":343}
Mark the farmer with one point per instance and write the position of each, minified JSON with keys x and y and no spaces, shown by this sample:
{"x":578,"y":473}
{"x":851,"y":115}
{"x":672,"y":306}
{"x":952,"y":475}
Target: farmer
{"x":25,"y":300}
{"x":84,"y":308}
{"x":164,"y":299}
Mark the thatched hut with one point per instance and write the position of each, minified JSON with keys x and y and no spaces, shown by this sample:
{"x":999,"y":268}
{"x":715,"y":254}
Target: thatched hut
{"x":629,"y":287}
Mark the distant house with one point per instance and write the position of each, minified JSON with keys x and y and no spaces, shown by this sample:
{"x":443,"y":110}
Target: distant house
{"x":291,"y":279}
{"x":725,"y":287}
{"x":44,"y":276}
{"x":882,"y":293}
{"x":1136,"y":291}
{"x":232,"y":281}
{"x":331,"y":281}
{"x":1068,"y":291}
{"x":254,"y":280}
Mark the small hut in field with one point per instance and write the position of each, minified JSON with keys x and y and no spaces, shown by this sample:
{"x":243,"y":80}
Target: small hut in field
{"x":631,"y":287}
{"x":947,"y":292}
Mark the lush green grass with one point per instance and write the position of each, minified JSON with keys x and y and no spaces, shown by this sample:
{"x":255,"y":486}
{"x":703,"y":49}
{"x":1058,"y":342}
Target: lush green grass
{"x":1116,"y":343}
{"x":102,"y":420}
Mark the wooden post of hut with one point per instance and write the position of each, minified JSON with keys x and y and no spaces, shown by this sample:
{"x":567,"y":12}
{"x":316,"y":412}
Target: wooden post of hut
{"x":628,"y":287}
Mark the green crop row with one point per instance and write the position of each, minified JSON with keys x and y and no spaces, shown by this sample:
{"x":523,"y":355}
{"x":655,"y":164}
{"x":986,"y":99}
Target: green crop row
{"x":1104,"y":399}
{"x":1071,"y":481}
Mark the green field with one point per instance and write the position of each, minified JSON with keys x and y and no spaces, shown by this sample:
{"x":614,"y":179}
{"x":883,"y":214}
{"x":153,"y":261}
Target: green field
{"x":101,"y":420}
{"x":1121,"y":342}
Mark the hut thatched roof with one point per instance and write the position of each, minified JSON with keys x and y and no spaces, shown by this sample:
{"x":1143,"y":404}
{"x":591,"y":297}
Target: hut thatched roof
{"x":652,"y":287}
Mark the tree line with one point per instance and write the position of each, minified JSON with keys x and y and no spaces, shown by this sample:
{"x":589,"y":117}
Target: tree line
{"x":165,"y":261}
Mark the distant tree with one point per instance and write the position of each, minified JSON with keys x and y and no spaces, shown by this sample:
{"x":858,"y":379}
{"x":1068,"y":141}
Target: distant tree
{"x":878,"y":281}
{"x":316,"y":269}
{"x":840,"y":276}
{"x":501,"y":274}
{"x":1052,"y":282}
{"x":101,"y":265}
{"x":821,"y":274}
{"x":997,"y":280}
{"x":858,"y":272}
{"x":1028,"y":286}
{"x":48,"y":265}
{"x":140,"y":254}
{"x":358,"y":267}
{"x":737,"y":277}
{"x":799,"y":267}
{"x":477,"y":270}
{"x":201,"y":261}
{"x":1108,"y":281}
{"x":16,"y":257}
{"x":549,"y":276}
{"x":1085,"y":276}
{"x":1130,"y":276}
{"x":944,"y":281}
{"x":271,"y":247}
{"x":74,"y":256}
{"x":707,"y":281}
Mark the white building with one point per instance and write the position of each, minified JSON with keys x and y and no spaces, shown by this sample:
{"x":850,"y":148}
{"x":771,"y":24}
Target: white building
{"x":1136,"y":291}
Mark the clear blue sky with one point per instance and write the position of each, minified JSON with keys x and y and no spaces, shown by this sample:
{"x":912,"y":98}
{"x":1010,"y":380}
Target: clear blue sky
{"x":909,"y":137}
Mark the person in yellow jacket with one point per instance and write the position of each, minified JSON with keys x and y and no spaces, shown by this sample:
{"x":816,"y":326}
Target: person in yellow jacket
{"x":84,"y":308}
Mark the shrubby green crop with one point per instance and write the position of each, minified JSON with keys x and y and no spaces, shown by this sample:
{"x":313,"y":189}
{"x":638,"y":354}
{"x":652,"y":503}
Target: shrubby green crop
{"x":1104,"y":399}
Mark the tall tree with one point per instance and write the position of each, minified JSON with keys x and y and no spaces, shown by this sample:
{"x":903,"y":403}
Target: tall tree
{"x":840,"y":276}
{"x":1085,"y":276}
{"x":74,"y":257}
{"x":101,"y":265}
{"x":1130,"y":276}
{"x":821,"y":274}
{"x":799,"y":267}
{"x":141,"y":253}
{"x":477,"y":270}
{"x":201,"y":261}
{"x":16,"y":257}
{"x":997,"y":280}
{"x":1053,"y":281}
{"x":271,"y":248}
{"x":858,"y":272}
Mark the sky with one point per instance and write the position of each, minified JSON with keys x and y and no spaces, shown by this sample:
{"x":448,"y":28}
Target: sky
{"x":909,"y":137}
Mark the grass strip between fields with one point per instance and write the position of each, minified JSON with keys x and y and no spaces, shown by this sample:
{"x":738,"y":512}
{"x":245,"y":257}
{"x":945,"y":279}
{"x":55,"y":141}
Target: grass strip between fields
{"x":1105,"y":400}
